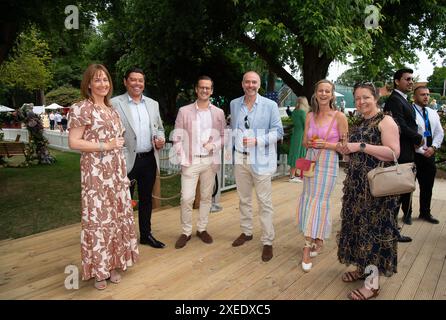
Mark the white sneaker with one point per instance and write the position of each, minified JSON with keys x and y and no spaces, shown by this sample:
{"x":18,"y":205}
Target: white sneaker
{"x":295,"y":180}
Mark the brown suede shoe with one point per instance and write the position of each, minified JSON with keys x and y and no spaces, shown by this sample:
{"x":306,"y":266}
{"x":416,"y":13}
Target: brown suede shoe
{"x":241,"y":240}
{"x":204,"y":236}
{"x":267,"y":253}
{"x":181,"y":242}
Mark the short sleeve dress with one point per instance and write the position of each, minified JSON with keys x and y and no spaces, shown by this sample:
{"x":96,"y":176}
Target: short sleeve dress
{"x":108,"y":236}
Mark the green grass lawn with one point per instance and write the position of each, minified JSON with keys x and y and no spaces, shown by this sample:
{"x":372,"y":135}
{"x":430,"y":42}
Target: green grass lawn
{"x":42,"y":197}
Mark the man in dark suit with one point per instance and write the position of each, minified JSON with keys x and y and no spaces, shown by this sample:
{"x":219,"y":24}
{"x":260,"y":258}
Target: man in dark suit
{"x":404,"y":115}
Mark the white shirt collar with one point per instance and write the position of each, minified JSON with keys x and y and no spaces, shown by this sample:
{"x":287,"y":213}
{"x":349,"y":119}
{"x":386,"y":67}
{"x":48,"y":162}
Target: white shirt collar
{"x":401,"y":93}
{"x":130,"y":99}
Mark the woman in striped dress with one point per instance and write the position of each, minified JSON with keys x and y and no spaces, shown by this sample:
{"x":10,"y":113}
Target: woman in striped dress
{"x":324,"y":127}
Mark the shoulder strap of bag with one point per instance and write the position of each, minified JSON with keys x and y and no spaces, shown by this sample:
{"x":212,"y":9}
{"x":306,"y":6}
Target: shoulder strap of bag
{"x":328,"y":132}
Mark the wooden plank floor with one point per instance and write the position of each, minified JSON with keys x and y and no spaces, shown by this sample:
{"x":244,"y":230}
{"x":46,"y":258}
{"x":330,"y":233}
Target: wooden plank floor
{"x":33,"y":267}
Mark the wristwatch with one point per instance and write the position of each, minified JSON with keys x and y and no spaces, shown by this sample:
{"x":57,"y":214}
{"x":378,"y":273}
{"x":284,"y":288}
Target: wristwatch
{"x":435,"y":148}
{"x":362,"y":147}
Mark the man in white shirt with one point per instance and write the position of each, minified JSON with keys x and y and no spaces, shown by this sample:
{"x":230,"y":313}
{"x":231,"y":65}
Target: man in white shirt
{"x":198,"y":138}
{"x":144,"y":138}
{"x":429,"y":126}
{"x":52,"y":120}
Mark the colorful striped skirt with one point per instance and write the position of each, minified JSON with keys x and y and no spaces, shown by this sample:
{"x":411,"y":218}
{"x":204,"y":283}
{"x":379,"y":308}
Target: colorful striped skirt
{"x":313,"y":213}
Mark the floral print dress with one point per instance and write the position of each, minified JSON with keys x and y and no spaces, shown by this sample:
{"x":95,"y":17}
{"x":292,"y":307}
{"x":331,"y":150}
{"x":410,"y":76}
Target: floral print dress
{"x":108,"y":236}
{"x":368,"y":235}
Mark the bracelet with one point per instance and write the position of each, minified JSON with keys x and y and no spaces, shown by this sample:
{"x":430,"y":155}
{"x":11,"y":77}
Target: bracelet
{"x":101,"y":146}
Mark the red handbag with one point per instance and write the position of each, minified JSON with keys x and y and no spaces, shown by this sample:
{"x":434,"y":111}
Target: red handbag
{"x":306,"y":167}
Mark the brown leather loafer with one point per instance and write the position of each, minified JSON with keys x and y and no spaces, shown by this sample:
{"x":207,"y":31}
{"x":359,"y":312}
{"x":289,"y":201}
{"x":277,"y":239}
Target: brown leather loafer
{"x":204,"y":236}
{"x":241,"y":240}
{"x":267,"y":253}
{"x":181,"y":242}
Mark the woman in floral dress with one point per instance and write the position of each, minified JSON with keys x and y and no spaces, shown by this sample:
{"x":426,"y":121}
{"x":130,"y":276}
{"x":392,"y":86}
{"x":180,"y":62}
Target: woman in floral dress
{"x":368,"y":235}
{"x":108,"y":237}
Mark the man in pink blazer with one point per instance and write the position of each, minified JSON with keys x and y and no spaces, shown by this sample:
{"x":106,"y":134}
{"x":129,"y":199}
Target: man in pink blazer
{"x":198,"y":139}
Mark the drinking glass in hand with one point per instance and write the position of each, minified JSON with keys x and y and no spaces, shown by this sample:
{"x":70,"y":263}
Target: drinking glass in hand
{"x":158,"y":134}
{"x":344,"y":139}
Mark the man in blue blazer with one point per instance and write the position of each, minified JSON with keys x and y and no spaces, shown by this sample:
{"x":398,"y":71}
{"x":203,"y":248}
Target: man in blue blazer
{"x":141,"y":118}
{"x":256,"y":128}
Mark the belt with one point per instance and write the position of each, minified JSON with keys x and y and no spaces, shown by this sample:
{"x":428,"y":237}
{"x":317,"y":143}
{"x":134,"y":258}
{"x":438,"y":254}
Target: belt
{"x":242,"y":152}
{"x":144,"y":154}
{"x":203,"y":155}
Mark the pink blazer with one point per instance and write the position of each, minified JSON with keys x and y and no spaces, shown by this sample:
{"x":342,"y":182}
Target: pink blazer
{"x":182,"y":135}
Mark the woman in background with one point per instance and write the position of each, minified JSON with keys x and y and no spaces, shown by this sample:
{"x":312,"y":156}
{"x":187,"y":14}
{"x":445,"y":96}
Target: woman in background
{"x":297,"y":150}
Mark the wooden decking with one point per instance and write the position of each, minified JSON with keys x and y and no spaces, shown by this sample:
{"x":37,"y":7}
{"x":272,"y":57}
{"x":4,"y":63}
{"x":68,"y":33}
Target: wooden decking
{"x":33,"y":267}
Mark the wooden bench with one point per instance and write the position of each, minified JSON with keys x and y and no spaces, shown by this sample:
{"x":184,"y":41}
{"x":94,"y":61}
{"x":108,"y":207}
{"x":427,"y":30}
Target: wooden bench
{"x":10,"y":149}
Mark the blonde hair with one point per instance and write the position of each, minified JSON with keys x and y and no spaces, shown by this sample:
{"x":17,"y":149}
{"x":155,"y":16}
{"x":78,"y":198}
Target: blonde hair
{"x":302,"y":104}
{"x":315,"y":105}
{"x":89,"y":74}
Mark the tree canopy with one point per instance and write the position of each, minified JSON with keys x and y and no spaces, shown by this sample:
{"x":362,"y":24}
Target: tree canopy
{"x":437,"y":79}
{"x":28,"y":66}
{"x":175,"y":41}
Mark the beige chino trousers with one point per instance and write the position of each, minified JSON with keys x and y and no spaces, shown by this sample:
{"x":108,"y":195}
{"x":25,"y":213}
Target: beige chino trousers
{"x":201,"y":168}
{"x":245,"y":180}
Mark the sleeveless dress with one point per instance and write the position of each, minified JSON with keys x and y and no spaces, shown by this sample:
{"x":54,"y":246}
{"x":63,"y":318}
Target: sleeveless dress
{"x":108,"y":236}
{"x":368,"y":235}
{"x":297,"y":150}
{"x":313,"y":216}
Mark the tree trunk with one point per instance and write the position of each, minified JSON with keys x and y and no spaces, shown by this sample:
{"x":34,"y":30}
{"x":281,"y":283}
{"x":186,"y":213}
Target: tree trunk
{"x":315,"y":68}
{"x":13,"y":100}
{"x":273,"y":65}
{"x":7,"y":36}
{"x":271,"y":82}
{"x":42,"y":97}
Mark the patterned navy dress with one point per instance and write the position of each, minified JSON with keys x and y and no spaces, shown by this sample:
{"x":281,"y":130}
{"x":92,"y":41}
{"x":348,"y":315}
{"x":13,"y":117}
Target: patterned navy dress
{"x":368,"y":235}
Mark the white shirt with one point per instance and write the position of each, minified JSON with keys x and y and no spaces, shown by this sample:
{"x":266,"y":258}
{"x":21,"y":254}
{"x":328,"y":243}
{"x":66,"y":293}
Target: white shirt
{"x":203,"y":129}
{"x":434,"y":121}
{"x":143,"y":130}
{"x":241,"y":130}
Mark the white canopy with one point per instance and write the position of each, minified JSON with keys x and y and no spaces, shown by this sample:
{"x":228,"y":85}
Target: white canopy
{"x":53,"y":106}
{"x":38,"y":109}
{"x":5,"y":109}
{"x":337,"y":94}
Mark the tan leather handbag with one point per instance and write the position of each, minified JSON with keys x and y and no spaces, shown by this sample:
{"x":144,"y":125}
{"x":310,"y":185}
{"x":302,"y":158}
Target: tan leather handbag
{"x":393,"y":180}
